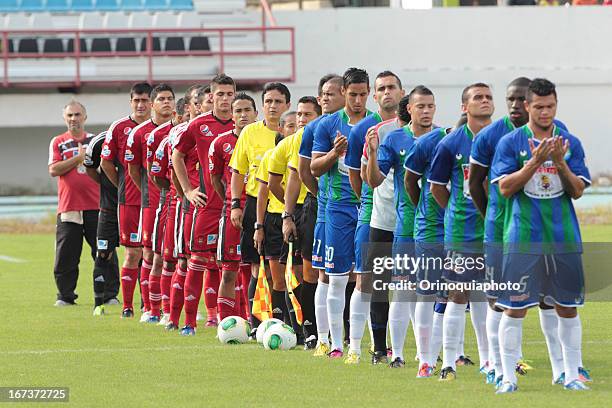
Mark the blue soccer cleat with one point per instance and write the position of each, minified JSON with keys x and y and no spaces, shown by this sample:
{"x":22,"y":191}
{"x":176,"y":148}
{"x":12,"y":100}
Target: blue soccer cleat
{"x":584,"y":375}
{"x":560,"y":380}
{"x":490,"y":379}
{"x":188,"y":331}
{"x":576,"y":385}
{"x":153,"y":319}
{"x":507,"y":388}
{"x":499,"y":381}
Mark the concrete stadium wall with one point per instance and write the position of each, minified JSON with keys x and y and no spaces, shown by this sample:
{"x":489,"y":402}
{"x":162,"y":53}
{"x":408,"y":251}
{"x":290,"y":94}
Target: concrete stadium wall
{"x":444,"y":49}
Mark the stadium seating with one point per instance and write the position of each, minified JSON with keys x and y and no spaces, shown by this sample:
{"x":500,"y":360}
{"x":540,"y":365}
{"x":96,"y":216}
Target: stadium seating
{"x":70,"y":6}
{"x":32,"y":5}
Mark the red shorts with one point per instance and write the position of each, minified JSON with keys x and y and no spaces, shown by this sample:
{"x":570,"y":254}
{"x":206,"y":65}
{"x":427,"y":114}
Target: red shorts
{"x":228,"y":248}
{"x":148,"y":223}
{"x":184,"y":234}
{"x":205,"y":230}
{"x":171,"y":229}
{"x":129,"y":223}
{"x":159,"y":225}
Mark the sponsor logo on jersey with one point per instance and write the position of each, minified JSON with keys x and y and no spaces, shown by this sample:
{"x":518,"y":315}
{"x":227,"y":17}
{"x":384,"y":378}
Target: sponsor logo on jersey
{"x":458,"y":156}
{"x":211,"y":239}
{"x":127,"y":130}
{"x":159,"y":154}
{"x":129,"y":156}
{"x":227,"y":147}
{"x":102,"y":244}
{"x":106,"y":151}
{"x":134,"y":237}
{"x":523,"y":153}
{"x":205,"y":130}
{"x":150,"y":139}
{"x":238,"y":249}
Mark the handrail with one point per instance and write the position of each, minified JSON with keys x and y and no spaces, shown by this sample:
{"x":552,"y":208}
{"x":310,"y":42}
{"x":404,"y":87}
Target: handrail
{"x":266,"y":11}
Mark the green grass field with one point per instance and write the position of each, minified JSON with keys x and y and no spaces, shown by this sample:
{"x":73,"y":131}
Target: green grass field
{"x":109,"y":362}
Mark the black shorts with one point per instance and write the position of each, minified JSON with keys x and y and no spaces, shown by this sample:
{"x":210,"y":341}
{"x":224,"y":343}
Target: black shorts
{"x":297,"y":242}
{"x":108,"y":230}
{"x":305,"y":225}
{"x":248,"y":253}
{"x":380,"y":245}
{"x":273,"y":230}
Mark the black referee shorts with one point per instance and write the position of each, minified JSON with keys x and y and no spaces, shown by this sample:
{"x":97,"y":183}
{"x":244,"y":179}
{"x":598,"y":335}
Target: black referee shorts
{"x":305,"y":225}
{"x":273,"y":230}
{"x":108,"y":230}
{"x":248,"y":253}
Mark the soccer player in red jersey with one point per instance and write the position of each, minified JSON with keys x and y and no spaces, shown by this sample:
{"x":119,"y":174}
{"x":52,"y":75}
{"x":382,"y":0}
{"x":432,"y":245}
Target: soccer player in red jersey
{"x":199,"y":134}
{"x":244,"y":112}
{"x":162,"y":103}
{"x":115,"y":168}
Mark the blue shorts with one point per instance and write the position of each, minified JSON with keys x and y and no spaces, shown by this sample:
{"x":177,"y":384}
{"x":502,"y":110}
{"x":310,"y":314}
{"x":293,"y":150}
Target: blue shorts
{"x":431,"y":267}
{"x":558,"y":277}
{"x":467,"y":267}
{"x":340,"y":238}
{"x":318,"y":246}
{"x":362,"y":237}
{"x":493,"y":255}
{"x":404,"y":246}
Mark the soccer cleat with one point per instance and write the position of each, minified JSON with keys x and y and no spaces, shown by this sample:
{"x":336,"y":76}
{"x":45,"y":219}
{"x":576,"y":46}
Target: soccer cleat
{"x":352,"y":358}
{"x":584,"y":375}
{"x":560,"y":380}
{"x":397,"y":363}
{"x":464,"y":361}
{"x":165,"y":319}
{"x":144,"y":317}
{"x":171,"y":327}
{"x":425,"y":371}
{"x":199,"y":317}
{"x":380,"y":357}
{"x":153,"y":320}
{"x":576,"y":385}
{"x":484,"y":370}
{"x":389,"y":352}
{"x":447,"y":374}
{"x":499,"y":381}
{"x":310,"y":343}
{"x":99,"y":311}
{"x":211,"y":323}
{"x":112,"y":302}
{"x":188,"y":331}
{"x":127,"y":313}
{"x":490,"y":379}
{"x":507,"y":387}
{"x":62,"y":303}
{"x":335,"y":354}
{"x":321,"y":350}
{"x":522,"y":367}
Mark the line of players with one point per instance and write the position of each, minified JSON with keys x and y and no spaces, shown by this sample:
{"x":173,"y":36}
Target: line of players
{"x":220,"y":188}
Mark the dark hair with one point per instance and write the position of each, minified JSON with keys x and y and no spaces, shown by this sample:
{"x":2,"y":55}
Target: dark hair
{"x":244,"y":97}
{"x":462,"y":120}
{"x":276,"y":86}
{"x":140,"y":88}
{"x":180,"y":106}
{"x":464,"y":94}
{"x":202,"y":92}
{"x":520,"y":81}
{"x":355,"y":76}
{"x":161,"y":88}
{"x":313,"y":100}
{"x":385,"y":74}
{"x":402,"y":109}
{"x":541,"y":87}
{"x":189,"y":90}
{"x":284,"y":116}
{"x":325,"y":79}
{"x":221,"y":79}
{"x":420,"y":90}
{"x":279,"y":136}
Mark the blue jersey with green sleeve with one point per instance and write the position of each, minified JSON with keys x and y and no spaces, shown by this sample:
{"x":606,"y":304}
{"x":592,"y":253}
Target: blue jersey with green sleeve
{"x":306,"y":152}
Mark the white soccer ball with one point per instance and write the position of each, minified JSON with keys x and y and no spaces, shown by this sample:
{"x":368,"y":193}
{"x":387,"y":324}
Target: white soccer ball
{"x":233,"y":330}
{"x":279,"y":337}
{"x":264,"y":326}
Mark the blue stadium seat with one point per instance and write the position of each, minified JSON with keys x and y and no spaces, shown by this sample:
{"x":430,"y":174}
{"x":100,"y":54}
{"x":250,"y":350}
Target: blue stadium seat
{"x":181,"y":5}
{"x":31,"y":5}
{"x":106,"y":5}
{"x":57,"y":5}
{"x":82,"y":5}
{"x":8,"y":5}
{"x":131,"y":5}
{"x":156,"y":4}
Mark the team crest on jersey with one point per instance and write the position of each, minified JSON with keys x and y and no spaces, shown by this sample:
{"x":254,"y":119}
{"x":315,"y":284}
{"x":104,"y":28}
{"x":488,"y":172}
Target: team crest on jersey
{"x":134,"y":237}
{"x":129,"y":156}
{"x":211,"y":239}
{"x":127,"y":130}
{"x":544,"y":183}
{"x":227,"y":147}
{"x":205,"y":130}
{"x":155,"y":167}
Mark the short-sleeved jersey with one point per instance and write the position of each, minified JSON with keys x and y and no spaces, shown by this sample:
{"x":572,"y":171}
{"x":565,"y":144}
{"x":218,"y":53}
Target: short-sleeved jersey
{"x":429,"y":216}
{"x":192,"y":162}
{"x":155,"y":138}
{"x":135,"y":154}
{"x":114,"y":151}
{"x":483,"y":150}
{"x":392,"y":156}
{"x":541,"y":212}
{"x":254,"y":141}
{"x":75,"y":190}
{"x":463,"y":224}
{"x":200,"y":133}
{"x":262,"y":176}
{"x":220,"y":154}
{"x":339,"y":187}
{"x":160,"y":164}
{"x":279,"y":160}
{"x":108,"y":191}
{"x":305,"y":151}
{"x":383,"y":197}
{"x":354,"y":151}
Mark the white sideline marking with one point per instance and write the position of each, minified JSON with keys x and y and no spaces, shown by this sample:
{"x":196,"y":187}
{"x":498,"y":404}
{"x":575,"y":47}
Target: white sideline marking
{"x":11,"y":259}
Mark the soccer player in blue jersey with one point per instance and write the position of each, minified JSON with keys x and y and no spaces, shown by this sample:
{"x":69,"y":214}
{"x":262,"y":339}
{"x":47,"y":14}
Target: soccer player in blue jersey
{"x":328,"y":157}
{"x":387,"y":93}
{"x":540,"y":168}
{"x":463,"y":225}
{"x":391,"y":155}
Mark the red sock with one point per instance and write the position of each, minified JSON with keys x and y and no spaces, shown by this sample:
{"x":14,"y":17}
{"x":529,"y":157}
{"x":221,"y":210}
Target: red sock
{"x":154,"y":294}
{"x":238,"y":311}
{"x":166,"y":284}
{"x":245,"y":276}
{"x":128,"y":284}
{"x":193,"y":289}
{"x":211,"y":289}
{"x":177,"y":296}
{"x":145,"y":270}
{"x":225,"y":306}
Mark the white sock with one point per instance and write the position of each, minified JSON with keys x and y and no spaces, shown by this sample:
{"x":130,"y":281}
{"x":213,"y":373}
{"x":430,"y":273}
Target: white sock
{"x":360,"y":310}
{"x":461,"y":346}
{"x":335,"y":309}
{"x":423,"y":323}
{"x":493,"y":319}
{"x":510,"y":338}
{"x":412,"y":309}
{"x":436,"y":337}
{"x":399,"y":319}
{"x":478,"y":313}
{"x":454,"y":320}
{"x":321,"y":312}
{"x":570,"y":335}
{"x":549,"y":322}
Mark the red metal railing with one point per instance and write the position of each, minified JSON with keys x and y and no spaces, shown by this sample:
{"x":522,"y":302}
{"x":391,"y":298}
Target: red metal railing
{"x":78,"y":55}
